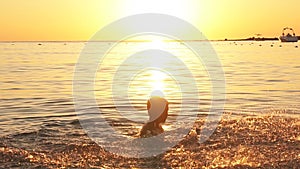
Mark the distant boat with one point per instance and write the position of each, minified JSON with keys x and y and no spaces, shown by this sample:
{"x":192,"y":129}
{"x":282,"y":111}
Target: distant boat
{"x":288,"y":37}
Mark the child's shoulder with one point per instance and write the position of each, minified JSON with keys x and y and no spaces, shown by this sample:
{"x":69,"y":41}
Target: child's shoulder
{"x":149,"y":130}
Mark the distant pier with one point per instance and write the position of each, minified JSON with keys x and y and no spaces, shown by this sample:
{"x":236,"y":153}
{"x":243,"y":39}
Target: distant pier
{"x":255,"y":39}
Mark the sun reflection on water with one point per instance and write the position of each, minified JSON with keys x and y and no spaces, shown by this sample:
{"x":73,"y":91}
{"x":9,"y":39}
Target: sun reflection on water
{"x":144,"y":83}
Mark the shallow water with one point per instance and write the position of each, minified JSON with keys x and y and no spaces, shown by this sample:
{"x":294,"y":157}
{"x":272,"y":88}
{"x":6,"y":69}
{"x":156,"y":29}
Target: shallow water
{"x":37,"y":107}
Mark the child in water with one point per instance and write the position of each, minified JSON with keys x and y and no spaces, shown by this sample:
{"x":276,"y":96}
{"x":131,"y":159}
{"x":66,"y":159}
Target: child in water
{"x":158,"y":112}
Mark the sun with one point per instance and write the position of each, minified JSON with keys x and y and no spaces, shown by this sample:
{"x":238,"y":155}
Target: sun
{"x":178,"y":8}
{"x":157,"y":43}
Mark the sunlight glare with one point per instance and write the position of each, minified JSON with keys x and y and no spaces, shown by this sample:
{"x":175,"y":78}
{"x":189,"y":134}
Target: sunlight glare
{"x":157,"y":93}
{"x":157,"y":80}
{"x":157,"y":43}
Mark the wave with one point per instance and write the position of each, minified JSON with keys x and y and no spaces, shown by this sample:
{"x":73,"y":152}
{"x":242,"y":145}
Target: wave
{"x":270,"y":140}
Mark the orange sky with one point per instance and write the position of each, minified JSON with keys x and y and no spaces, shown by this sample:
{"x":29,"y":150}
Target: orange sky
{"x":79,"y":20}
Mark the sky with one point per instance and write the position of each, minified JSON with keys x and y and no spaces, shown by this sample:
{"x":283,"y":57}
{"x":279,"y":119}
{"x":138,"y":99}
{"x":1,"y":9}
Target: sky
{"x":59,"y":20}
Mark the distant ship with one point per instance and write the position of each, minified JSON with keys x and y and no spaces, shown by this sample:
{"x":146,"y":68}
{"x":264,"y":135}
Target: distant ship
{"x":288,"y":37}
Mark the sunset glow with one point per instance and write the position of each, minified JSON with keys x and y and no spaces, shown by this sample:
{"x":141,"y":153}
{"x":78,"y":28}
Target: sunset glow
{"x":79,"y":20}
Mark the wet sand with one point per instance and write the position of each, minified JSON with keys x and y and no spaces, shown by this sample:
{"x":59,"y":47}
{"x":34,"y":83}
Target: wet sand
{"x":269,"y":141}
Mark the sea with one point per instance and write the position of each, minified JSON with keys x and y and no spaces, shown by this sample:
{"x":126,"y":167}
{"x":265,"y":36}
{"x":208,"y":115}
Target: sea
{"x":38,"y":107}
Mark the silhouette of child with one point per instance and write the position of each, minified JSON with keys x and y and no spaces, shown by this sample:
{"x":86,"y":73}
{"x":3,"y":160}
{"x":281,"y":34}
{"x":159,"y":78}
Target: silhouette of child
{"x":158,"y":112}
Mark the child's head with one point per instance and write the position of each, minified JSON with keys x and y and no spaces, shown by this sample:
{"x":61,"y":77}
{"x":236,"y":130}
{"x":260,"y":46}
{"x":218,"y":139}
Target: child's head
{"x":157,"y":109}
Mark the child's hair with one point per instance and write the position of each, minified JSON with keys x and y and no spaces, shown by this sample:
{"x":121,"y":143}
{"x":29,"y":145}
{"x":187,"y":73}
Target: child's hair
{"x":157,"y":115}
{"x":163,"y":115}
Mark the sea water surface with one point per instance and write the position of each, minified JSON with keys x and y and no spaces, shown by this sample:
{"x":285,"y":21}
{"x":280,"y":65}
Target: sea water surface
{"x":36,"y":81}
{"x":36,"y":84}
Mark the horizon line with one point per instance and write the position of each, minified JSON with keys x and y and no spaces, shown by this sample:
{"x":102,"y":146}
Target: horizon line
{"x":146,"y":40}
